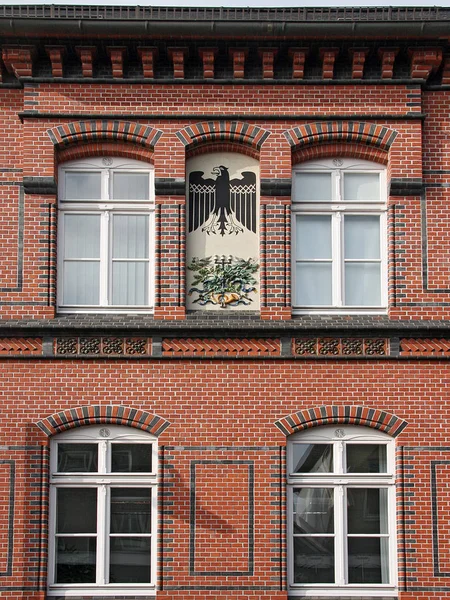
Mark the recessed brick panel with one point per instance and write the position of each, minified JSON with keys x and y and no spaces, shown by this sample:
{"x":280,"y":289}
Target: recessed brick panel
{"x":223,"y":517}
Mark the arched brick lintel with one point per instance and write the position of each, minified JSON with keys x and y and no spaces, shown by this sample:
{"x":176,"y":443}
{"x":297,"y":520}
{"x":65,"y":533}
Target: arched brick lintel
{"x":96,"y":415}
{"x":97,"y":130}
{"x":341,"y":131}
{"x":223,"y":131}
{"x":344,"y":415}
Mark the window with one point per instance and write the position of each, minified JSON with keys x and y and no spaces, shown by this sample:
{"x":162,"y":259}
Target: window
{"x":102,"y":512}
{"x":339,"y":239}
{"x":105,"y":233}
{"x":341,"y":518}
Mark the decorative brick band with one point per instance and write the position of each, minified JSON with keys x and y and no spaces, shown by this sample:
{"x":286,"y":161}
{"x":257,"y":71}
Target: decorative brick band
{"x":91,"y":131}
{"x":341,"y":131}
{"x":424,"y":347}
{"x":20,"y":346}
{"x":349,"y":415}
{"x":308,"y":346}
{"x":104,"y":346}
{"x":222,"y":347}
{"x":212,"y":131}
{"x":96,"y":415}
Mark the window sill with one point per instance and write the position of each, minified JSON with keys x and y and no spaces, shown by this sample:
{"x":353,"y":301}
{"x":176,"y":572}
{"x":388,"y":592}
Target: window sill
{"x":143,"y":590}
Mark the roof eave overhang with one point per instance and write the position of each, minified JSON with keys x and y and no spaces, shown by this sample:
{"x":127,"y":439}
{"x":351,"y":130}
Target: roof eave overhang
{"x":189,"y":28}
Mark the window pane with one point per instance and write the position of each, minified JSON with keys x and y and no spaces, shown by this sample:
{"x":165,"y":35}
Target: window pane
{"x":81,"y":236}
{"x":77,"y":458}
{"x":313,"y":187}
{"x":362,"y":236}
{"x":368,"y":560}
{"x":130,"y":510}
{"x":314,"y":560}
{"x":76,"y":510}
{"x":362,"y":187}
{"x":367,"y":510}
{"x":130,"y":283}
{"x":313,"y":284}
{"x":362,"y":284}
{"x":81,"y":282}
{"x":129,"y":560}
{"x":131,"y":458}
{"x":313,"y":510}
{"x":130,"y":236}
{"x":312,"y":458}
{"x":83,"y":186}
{"x":75,"y":560}
{"x":366,"y":458}
{"x":313,"y":236}
{"x":130,"y":186}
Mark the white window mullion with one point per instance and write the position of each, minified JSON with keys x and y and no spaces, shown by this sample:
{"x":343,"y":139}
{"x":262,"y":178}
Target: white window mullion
{"x":52,"y":537}
{"x":102,"y":534}
{"x":104,"y":258}
{"x":340,"y":516}
{"x":338,"y":251}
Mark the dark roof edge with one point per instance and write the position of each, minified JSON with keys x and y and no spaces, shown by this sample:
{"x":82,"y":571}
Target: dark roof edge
{"x":35,"y":20}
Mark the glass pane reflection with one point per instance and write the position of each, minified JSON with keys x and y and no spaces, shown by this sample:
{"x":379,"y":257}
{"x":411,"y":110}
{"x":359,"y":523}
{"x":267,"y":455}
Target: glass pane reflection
{"x":75,"y":559}
{"x":314,"y":560}
{"x":129,"y":560}
{"x":312,"y":458}
{"x":130,"y":510}
{"x":366,"y":458}
{"x":131,"y":458}
{"x":367,"y":510}
{"x":313,"y":510}
{"x":368,"y":560}
{"x":77,"y":510}
{"x":77,"y":458}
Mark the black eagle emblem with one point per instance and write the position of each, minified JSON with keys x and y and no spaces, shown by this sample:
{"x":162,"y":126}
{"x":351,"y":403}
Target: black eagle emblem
{"x":222,"y":205}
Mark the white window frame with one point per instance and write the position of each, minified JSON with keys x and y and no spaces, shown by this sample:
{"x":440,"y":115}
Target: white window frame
{"x":337,"y":209}
{"x":340,"y":436}
{"x":106,"y":207}
{"x":103,"y":481}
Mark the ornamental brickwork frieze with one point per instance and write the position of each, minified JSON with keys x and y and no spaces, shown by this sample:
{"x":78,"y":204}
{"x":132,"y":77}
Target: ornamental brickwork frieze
{"x":340,"y":346}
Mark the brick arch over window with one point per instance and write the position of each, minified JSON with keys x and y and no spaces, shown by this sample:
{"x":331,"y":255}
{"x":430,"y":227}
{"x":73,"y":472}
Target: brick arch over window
{"x":80,"y":132}
{"x":344,"y":415}
{"x":235,"y":132}
{"x":332,"y":132}
{"x":96,"y":415}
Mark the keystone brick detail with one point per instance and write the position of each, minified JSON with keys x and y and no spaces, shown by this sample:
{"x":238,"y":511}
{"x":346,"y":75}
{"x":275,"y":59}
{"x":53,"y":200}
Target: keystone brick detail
{"x":234,"y":131}
{"x":20,"y":346}
{"x":340,"y":131}
{"x":345,"y":415}
{"x":222,"y":347}
{"x":178,"y":55}
{"x":425,"y":347}
{"x":267,"y":57}
{"x":89,"y":131}
{"x":341,"y":347}
{"x":96,"y":415}
{"x":148,"y":56}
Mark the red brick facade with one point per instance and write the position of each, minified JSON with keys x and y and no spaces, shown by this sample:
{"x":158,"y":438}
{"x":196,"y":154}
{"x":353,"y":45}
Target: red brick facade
{"x":222,"y":392}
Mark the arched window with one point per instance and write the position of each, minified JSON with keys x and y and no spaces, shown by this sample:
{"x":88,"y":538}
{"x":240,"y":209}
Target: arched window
{"x":339,"y":236}
{"x":102,"y":512}
{"x":341,"y":512}
{"x":105,"y":235}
